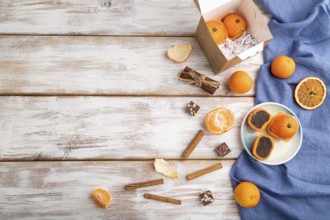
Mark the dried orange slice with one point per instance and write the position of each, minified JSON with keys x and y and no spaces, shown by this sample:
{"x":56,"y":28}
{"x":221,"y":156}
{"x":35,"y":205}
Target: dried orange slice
{"x":101,"y":197}
{"x":219,"y":121}
{"x":310,"y":93}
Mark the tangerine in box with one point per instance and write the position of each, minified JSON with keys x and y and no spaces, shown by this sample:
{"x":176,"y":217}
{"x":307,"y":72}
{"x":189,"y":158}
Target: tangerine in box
{"x":217,"y":10}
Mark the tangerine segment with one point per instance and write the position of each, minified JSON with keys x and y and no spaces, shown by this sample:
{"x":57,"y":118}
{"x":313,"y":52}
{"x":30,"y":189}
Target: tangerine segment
{"x":219,"y":121}
{"x":217,"y":30}
{"x":310,"y":93}
{"x":101,"y":197}
{"x":247,"y":194}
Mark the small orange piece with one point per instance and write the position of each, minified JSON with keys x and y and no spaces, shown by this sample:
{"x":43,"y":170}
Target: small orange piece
{"x":101,"y":197}
{"x":219,"y":121}
{"x":262,"y":147}
{"x":217,"y":30}
{"x":247,"y":194}
{"x":283,"y":67}
{"x":240,"y":82}
{"x":235,"y":25}
{"x":283,"y":126}
{"x":310,"y":93}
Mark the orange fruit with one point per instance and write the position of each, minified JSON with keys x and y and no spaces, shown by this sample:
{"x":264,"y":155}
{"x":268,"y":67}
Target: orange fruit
{"x":283,"y":126}
{"x":219,"y":121}
{"x":247,"y":194}
{"x":235,"y":25}
{"x":217,"y":30}
{"x":101,"y":197}
{"x":310,"y":93}
{"x":240,"y":82}
{"x":283,"y":67}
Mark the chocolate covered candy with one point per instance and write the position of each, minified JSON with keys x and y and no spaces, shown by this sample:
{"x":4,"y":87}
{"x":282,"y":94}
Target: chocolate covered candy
{"x":223,"y":149}
{"x":206,"y":198}
{"x":192,"y":108}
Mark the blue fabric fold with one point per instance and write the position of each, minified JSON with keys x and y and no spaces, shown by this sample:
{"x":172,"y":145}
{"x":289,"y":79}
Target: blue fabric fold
{"x":300,"y":188}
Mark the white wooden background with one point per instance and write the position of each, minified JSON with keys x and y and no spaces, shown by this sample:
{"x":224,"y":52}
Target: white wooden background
{"x":88,"y":99}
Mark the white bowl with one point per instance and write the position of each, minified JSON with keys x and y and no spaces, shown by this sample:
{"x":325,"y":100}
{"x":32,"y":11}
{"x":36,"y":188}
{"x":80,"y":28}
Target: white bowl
{"x":283,"y":151}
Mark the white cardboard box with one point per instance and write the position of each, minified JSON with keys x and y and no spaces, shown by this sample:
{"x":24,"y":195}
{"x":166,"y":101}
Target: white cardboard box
{"x":217,"y":9}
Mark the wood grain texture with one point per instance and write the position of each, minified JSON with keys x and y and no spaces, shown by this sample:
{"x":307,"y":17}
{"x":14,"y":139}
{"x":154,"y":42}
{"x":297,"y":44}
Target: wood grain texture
{"x":99,"y":17}
{"x":53,"y":190}
{"x":73,"y":128}
{"x":104,"y":66}
{"x":112,"y":63}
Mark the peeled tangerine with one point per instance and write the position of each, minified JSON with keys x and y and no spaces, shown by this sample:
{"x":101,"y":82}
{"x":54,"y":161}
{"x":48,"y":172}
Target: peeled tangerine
{"x":219,"y":121}
{"x":283,"y":126}
{"x":101,"y":197}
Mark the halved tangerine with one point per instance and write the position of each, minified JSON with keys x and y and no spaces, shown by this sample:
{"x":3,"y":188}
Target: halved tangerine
{"x":310,"y":93}
{"x":219,"y":121}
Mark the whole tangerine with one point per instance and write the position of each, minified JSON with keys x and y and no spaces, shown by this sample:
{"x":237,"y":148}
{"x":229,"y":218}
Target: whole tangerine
{"x":283,"y":126}
{"x":240,"y":82}
{"x":217,"y":30}
{"x":247,"y":194}
{"x":283,"y":67}
{"x":235,"y":25}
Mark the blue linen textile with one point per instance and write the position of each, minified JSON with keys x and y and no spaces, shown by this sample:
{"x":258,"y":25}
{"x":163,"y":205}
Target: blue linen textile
{"x":300,"y":188}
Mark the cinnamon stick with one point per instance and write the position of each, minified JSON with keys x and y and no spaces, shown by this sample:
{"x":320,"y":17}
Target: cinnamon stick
{"x":193,"y":144}
{"x":204,"y":171}
{"x":144,"y":184}
{"x":162,"y":198}
{"x":191,"y":76}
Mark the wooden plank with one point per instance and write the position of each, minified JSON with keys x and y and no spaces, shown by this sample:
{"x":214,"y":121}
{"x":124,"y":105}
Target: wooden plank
{"x":123,"y":17}
{"x":52,"y":190}
{"x":73,"y":128}
{"x":86,"y":17}
{"x":104,"y":66}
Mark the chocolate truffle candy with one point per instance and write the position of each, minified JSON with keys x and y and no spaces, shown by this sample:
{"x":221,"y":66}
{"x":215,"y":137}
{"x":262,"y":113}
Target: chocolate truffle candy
{"x":206,"y":197}
{"x":192,"y":108}
{"x":223,"y":149}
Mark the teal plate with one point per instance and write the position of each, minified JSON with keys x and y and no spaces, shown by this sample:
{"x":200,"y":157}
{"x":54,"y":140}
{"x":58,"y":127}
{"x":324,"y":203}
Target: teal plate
{"x":283,"y":151}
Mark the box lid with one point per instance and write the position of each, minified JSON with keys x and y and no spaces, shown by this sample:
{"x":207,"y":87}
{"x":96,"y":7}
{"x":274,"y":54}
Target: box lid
{"x":205,"y":6}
